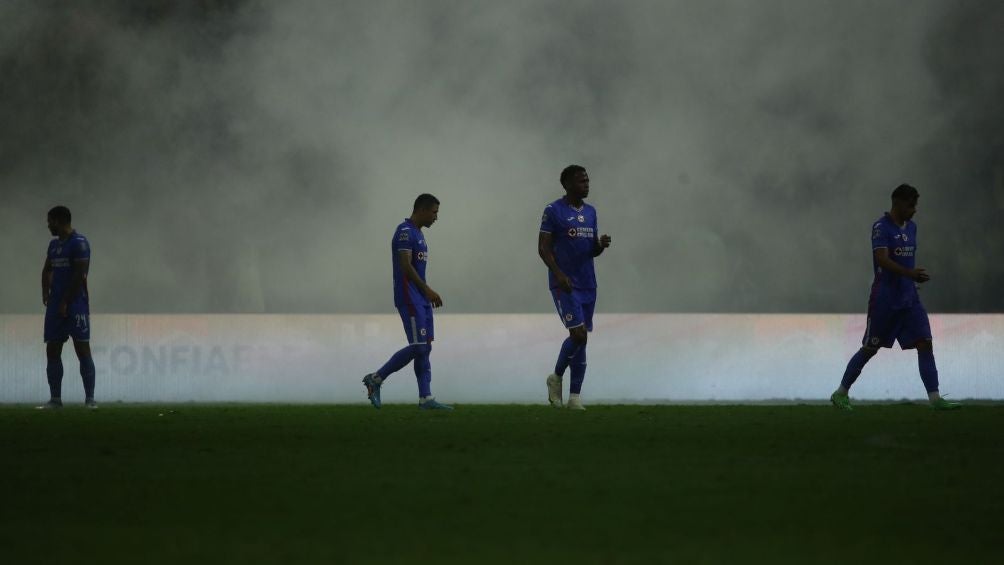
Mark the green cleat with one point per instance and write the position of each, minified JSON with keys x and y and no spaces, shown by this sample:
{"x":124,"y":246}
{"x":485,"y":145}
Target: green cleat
{"x":841,"y":401}
{"x":942,"y":404}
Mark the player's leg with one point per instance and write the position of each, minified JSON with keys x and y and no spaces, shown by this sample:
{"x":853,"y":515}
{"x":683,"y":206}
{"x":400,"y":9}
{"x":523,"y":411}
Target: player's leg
{"x":423,"y":366}
{"x":55,"y":334}
{"x":570,"y":312}
{"x":80,"y":331}
{"x":87,"y":372}
{"x":880,"y":331}
{"x":397,"y":361}
{"x":917,"y":334}
{"x":54,"y":373}
{"x":587,"y":301}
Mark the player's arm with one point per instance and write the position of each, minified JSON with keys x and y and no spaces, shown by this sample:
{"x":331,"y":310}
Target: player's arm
{"x":600,"y":244}
{"x":404,"y":260}
{"x":545,"y":248}
{"x":77,"y":275}
{"x":46,"y":281}
{"x":887,"y":264}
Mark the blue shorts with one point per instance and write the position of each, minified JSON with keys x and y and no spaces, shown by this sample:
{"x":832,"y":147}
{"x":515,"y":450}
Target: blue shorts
{"x":575,"y":308}
{"x":907,"y":325}
{"x":59,"y":329}
{"x":418,"y":325}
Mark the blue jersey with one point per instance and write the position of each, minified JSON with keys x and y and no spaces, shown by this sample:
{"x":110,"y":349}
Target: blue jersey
{"x":889,"y":289}
{"x":61,"y":256}
{"x":409,"y":237}
{"x":574,"y":235}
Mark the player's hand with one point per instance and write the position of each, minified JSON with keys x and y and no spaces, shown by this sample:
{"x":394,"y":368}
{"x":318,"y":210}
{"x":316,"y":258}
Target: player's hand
{"x":433,"y":298}
{"x":605,"y":241}
{"x":62,"y":309}
{"x":45,"y":299}
{"x":564,"y":282}
{"x":919,"y":275}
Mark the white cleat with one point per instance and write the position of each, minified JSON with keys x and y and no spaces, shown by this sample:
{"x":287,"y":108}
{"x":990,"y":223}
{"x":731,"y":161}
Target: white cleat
{"x":554,"y":390}
{"x":574,"y":403}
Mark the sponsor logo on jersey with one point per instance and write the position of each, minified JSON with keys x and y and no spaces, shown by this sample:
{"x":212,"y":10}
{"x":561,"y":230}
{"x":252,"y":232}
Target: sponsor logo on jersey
{"x":404,"y":235}
{"x":906,"y":251}
{"x":423,"y":255}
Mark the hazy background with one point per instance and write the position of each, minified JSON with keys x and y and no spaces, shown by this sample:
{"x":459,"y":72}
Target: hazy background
{"x":252,"y":156}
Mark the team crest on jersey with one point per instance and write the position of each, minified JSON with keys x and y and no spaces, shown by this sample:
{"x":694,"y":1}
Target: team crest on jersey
{"x":422,"y":331}
{"x":568,"y":317}
{"x":581,"y":218}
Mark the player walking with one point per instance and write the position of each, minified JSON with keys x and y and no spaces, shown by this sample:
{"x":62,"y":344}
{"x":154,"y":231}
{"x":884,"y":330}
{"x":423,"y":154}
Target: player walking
{"x":67,"y":312}
{"x":569,"y":240}
{"x":414,"y":300}
{"x":895,"y":312}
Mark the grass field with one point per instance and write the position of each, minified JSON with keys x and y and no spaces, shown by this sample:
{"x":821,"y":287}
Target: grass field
{"x":501,"y":484}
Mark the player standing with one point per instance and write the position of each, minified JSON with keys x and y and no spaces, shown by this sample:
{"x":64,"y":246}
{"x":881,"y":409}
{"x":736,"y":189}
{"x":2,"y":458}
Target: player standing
{"x":67,"y":312}
{"x":895,"y":312}
{"x":568,"y":241}
{"x":414,"y":300}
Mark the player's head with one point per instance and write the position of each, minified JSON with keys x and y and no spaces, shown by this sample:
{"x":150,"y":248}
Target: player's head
{"x":426,"y":210}
{"x":59,"y":218}
{"x":904,"y":201}
{"x":575,"y":181}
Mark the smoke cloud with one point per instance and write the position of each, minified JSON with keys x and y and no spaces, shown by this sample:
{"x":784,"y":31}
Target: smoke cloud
{"x":252,"y":156}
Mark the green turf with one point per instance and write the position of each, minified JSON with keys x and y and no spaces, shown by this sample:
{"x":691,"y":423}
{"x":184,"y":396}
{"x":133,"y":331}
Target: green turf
{"x":501,"y":484}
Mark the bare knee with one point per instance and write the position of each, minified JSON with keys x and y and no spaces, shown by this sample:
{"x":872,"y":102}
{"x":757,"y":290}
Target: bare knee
{"x":578,"y":335}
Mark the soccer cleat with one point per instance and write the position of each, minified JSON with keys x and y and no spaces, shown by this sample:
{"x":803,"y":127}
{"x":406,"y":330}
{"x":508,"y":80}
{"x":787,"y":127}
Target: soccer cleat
{"x":372,"y":389}
{"x":432,"y":404}
{"x":574,"y":403}
{"x":841,"y":401}
{"x":51,"y":405}
{"x":90,"y":404}
{"x":554,"y":390}
{"x":942,"y":404}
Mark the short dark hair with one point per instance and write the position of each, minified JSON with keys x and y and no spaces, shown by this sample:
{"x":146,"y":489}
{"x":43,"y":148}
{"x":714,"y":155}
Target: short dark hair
{"x":425,"y":201}
{"x":568,"y":172}
{"x":905,"y":193}
{"x":61,"y":214}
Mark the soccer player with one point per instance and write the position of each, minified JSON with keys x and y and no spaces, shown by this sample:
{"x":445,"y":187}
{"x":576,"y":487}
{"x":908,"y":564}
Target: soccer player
{"x":414,"y":300}
{"x":895,"y":312}
{"x":67,"y":313}
{"x":568,"y":242}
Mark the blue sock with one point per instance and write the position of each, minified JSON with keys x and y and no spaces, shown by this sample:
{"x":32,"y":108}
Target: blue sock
{"x":854,"y":367}
{"x":54,"y":373}
{"x":578,"y":366}
{"x":87,"y":375}
{"x":423,"y":370}
{"x":928,"y":370}
{"x":396,"y":362}
{"x":568,"y":349}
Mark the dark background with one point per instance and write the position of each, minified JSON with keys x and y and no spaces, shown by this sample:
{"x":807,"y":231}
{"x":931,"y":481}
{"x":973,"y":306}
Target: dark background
{"x":239,"y":156}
